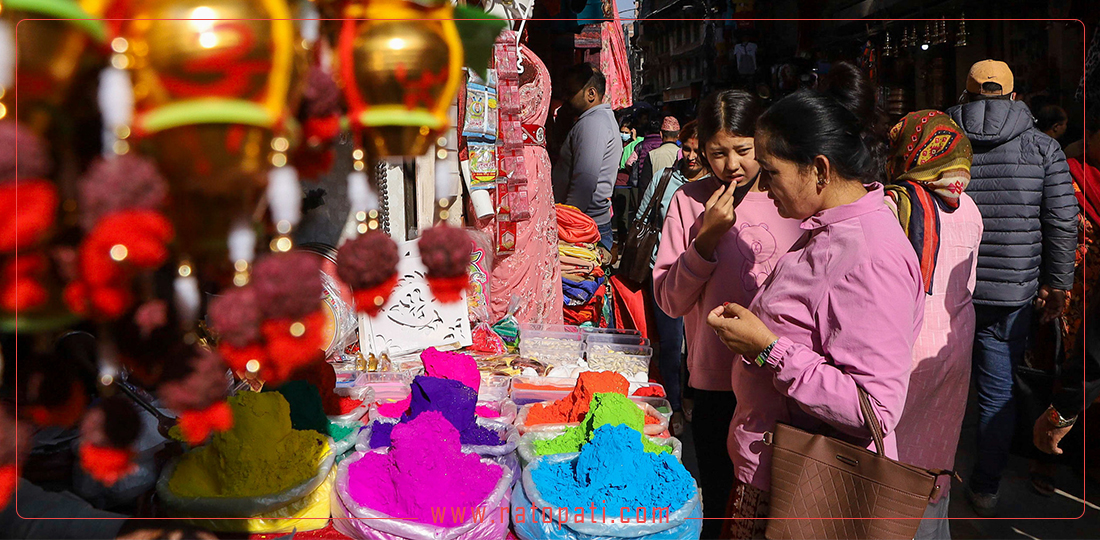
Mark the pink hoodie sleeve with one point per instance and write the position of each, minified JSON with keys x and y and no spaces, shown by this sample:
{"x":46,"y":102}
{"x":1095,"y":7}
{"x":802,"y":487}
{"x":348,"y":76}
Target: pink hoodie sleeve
{"x":681,"y":273}
{"x":868,"y":342}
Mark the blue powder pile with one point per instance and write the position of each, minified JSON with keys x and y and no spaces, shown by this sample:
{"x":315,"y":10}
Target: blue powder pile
{"x":612,"y":467}
{"x":454,"y":400}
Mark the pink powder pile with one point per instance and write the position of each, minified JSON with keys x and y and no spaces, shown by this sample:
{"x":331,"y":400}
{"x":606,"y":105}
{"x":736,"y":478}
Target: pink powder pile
{"x":424,"y":469}
{"x":452,"y":365}
{"x":395,"y":408}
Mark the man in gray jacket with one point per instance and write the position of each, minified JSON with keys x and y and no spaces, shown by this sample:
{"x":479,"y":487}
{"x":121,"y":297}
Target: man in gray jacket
{"x":1021,"y":184}
{"x":584,"y":174}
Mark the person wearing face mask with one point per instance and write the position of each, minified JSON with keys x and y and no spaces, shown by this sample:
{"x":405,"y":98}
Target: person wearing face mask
{"x":841,"y":310}
{"x":704,"y":260}
{"x":584,"y":174}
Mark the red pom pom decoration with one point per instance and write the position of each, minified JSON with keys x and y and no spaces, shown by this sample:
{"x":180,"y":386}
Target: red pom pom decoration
{"x":235,"y":316}
{"x":291,"y":344}
{"x":34,"y":160}
{"x":27,"y":211}
{"x":368,"y":264}
{"x":288,"y":285}
{"x":198,"y":425}
{"x":20,"y":285}
{"x":199,"y":387}
{"x":106,"y":464}
{"x":126,"y":182}
{"x":9,"y":480}
{"x":321,"y":96}
{"x":446,"y":251}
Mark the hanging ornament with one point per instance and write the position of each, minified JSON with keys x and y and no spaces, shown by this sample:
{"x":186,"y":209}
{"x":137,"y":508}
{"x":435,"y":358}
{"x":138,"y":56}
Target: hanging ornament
{"x":926,"y":40}
{"x":887,"y":47}
{"x":51,"y":40}
{"x":194,"y":387}
{"x":107,"y":434}
{"x":961,"y":35}
{"x":368,"y":264}
{"x":401,"y":64}
{"x":445,"y":251}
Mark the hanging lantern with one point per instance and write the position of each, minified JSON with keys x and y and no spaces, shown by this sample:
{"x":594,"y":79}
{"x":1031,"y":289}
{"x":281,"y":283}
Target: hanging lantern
{"x":44,"y":52}
{"x":401,"y":64}
{"x":213,"y":81}
{"x":887,"y":47}
{"x":400,"y":75}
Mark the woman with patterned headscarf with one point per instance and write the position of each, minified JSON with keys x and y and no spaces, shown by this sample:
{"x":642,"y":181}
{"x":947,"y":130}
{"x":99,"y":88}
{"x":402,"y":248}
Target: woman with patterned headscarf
{"x":929,"y":169}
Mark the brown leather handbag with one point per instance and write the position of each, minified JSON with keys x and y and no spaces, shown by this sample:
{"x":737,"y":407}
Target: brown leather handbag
{"x":634,"y":263}
{"x":824,"y":488}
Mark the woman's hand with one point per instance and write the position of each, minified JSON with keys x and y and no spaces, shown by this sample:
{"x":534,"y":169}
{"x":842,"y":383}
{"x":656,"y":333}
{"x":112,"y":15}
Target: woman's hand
{"x":741,"y":331}
{"x":718,"y":217}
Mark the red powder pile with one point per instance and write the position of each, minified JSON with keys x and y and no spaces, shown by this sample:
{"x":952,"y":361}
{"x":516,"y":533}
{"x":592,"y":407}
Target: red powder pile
{"x":348,"y":404}
{"x":573,"y":407}
{"x":650,"y":391}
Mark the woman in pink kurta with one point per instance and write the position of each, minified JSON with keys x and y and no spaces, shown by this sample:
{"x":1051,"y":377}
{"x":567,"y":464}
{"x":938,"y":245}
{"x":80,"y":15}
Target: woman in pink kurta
{"x":842,"y":308}
{"x":532,"y":273}
{"x":930,"y":168}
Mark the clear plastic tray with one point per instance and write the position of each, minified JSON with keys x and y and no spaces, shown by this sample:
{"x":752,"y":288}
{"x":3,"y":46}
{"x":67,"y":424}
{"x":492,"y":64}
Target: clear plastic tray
{"x":494,"y":387}
{"x":626,"y":359}
{"x":551,"y":345}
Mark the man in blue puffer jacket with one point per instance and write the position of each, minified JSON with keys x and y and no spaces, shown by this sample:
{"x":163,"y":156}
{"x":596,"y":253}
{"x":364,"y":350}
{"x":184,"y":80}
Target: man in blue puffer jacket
{"x":1022,"y":186}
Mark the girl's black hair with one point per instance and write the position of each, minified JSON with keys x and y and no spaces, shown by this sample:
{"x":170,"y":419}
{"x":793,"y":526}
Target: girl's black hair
{"x":1049,"y":115}
{"x":840,"y":122}
{"x":735,"y":111}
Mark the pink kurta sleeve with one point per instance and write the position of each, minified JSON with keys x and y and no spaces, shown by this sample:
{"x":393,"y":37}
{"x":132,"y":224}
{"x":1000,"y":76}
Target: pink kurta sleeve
{"x":868,"y":341}
{"x":681,"y":273}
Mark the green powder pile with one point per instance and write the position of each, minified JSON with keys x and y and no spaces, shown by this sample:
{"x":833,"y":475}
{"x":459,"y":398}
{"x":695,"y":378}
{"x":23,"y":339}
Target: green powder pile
{"x":606,"y":409}
{"x":339,"y":432}
{"x":306,"y":409}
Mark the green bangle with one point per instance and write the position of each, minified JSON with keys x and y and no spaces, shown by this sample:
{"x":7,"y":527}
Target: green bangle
{"x":762,"y":358}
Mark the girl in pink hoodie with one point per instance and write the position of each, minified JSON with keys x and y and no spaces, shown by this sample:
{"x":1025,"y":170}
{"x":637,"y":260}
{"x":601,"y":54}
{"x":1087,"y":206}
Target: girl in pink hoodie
{"x":710,"y":254}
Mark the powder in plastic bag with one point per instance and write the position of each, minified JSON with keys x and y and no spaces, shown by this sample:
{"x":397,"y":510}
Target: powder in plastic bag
{"x":614,"y":472}
{"x":452,"y":365}
{"x":424,"y":470}
{"x":395,"y":408}
{"x":573,"y":407}
{"x":454,"y":400}
{"x":606,"y":409}
{"x":261,"y":455}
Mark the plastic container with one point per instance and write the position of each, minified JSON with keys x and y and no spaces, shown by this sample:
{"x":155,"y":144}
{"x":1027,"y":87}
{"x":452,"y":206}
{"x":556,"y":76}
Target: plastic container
{"x":655,"y":429}
{"x":360,"y":522}
{"x":387,"y":386}
{"x":506,"y":407}
{"x":621,"y":337}
{"x":551,"y":345}
{"x":304,"y":507}
{"x":494,"y":387}
{"x":625,"y":359}
{"x":527,"y":454}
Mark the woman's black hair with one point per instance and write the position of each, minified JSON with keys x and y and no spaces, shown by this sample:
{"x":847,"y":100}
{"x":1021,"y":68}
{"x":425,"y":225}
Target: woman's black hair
{"x":1049,"y":115}
{"x":735,"y":111}
{"x":840,"y":122}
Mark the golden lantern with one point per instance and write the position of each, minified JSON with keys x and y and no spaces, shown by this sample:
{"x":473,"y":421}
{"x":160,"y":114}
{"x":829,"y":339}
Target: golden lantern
{"x":401,"y":64}
{"x":49,"y":53}
{"x":214,"y":82}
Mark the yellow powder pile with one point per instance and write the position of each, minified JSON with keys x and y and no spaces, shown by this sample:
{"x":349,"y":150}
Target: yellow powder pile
{"x":261,"y":455}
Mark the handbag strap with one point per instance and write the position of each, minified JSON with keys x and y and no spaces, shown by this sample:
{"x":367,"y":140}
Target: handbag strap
{"x":871,"y":420}
{"x":662,"y":185}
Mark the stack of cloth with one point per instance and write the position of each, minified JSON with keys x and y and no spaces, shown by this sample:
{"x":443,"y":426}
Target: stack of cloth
{"x":582,"y":260}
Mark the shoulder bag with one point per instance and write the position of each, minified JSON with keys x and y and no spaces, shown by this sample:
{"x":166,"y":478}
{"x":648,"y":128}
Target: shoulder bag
{"x":642,"y":237}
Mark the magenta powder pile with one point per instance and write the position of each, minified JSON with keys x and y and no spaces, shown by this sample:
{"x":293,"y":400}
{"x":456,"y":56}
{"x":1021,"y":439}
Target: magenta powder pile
{"x":424,"y":469}
{"x":454,"y":400}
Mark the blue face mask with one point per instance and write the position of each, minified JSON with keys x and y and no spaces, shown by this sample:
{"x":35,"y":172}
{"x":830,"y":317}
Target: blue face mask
{"x":625,"y":136}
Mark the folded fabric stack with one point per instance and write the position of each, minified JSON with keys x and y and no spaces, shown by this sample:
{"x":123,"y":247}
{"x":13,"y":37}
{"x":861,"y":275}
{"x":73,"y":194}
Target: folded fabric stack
{"x":582,"y":259}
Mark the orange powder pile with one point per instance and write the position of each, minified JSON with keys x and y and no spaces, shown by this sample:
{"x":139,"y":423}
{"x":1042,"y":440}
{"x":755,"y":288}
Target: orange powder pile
{"x":573,"y":407}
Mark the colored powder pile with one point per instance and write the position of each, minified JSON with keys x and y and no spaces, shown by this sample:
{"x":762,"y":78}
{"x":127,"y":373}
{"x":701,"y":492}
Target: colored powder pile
{"x":306,"y":407}
{"x":487,"y":412}
{"x":650,"y":391}
{"x":340,"y":432}
{"x":394,"y":409}
{"x":348,"y":404}
{"x":424,"y":470}
{"x":606,"y":409}
{"x":454,"y":400}
{"x":614,"y":470}
{"x":452,"y":365}
{"x":261,"y":455}
{"x":573,"y":407}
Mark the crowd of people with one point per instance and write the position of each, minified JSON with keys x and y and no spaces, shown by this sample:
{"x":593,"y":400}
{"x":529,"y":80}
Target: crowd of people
{"x":811,"y":251}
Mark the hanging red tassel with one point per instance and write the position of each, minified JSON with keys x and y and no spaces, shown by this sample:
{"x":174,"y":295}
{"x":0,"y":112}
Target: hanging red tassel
{"x":27,"y":210}
{"x":196,"y":426}
{"x":291,"y":344}
{"x":20,"y":285}
{"x":9,"y":482}
{"x":368,"y":264}
{"x":446,"y":252}
{"x":65,"y":415}
{"x":106,"y":464}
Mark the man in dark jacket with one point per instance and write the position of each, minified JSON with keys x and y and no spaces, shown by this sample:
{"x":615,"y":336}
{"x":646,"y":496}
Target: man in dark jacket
{"x":1022,"y":186}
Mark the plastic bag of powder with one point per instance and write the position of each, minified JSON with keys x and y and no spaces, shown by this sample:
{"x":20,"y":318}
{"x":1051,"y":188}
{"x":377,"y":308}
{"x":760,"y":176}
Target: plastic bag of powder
{"x":357,"y":521}
{"x":685,"y":523}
